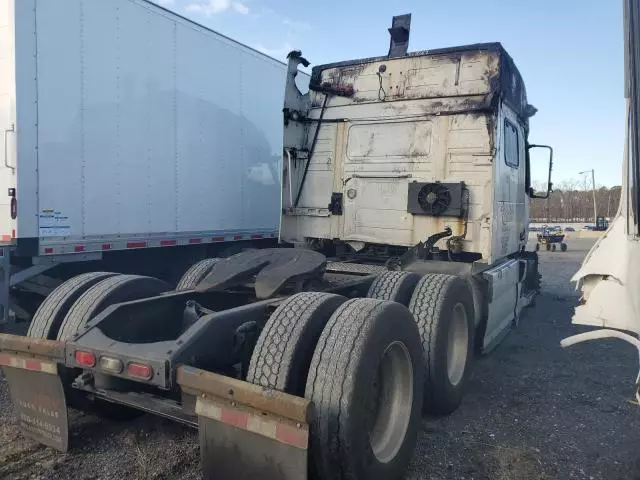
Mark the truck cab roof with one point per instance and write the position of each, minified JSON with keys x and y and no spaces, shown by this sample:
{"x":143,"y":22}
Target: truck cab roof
{"x":503,"y":80}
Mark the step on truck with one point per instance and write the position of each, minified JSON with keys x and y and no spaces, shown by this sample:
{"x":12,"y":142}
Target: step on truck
{"x":123,"y":149}
{"x":405,"y":189}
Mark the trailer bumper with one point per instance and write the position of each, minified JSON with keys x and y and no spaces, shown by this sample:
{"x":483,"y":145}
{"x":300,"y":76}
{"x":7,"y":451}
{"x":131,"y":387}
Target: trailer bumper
{"x":247,"y":431}
{"x":31,"y":369}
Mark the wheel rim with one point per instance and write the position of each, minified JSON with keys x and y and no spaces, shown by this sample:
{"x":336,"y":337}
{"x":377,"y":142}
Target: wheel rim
{"x":393,"y":403}
{"x":457,"y":345}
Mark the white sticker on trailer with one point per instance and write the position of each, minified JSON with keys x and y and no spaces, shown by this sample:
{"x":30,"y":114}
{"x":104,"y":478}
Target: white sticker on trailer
{"x":53,"y":224}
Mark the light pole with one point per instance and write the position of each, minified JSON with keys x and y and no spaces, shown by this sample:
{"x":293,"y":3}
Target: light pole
{"x":593,"y":185}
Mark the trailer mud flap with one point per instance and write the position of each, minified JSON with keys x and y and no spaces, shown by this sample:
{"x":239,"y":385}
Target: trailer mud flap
{"x":38,"y":399}
{"x":30,"y":367}
{"x":247,"y":431}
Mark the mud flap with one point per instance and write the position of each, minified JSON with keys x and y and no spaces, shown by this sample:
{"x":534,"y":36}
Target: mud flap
{"x":38,"y":399}
{"x":247,"y":431}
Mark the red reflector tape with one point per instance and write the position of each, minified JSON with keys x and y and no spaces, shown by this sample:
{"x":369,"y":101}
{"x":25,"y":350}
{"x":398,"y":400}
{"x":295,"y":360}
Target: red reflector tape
{"x":136,"y":244}
{"x":267,"y":426}
{"x":195,"y":240}
{"x":32,"y":364}
{"x":238,"y":237}
{"x":291,"y":436}
{"x":234,"y":417}
{"x":27,"y":364}
{"x":167,"y":243}
{"x":256,"y":237}
{"x":7,"y":238}
{"x":106,"y":246}
{"x":48,"y":251}
{"x":218,"y":239}
{"x":78,"y":248}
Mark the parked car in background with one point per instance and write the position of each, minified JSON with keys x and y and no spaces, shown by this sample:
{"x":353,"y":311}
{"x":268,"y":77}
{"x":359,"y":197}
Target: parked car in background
{"x":569,"y":229}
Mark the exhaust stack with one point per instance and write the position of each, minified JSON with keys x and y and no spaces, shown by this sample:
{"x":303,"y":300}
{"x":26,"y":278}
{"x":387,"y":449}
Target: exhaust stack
{"x":399,"y":31}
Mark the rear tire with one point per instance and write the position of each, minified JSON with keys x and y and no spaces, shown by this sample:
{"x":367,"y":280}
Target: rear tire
{"x":537,"y":247}
{"x":366,"y":384}
{"x":120,"y":288}
{"x":548,"y":246}
{"x":443,"y":309}
{"x":285,"y":347}
{"x":194,"y":275}
{"x":51,"y":312}
{"x":553,"y":247}
{"x":394,"y":287}
{"x":563,"y":247}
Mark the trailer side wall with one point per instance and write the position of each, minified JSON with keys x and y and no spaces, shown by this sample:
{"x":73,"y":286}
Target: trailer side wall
{"x":149,"y":126}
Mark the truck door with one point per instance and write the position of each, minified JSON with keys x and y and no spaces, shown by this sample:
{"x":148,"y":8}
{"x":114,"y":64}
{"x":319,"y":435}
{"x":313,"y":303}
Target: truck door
{"x":380,"y":158}
{"x":509,"y":222}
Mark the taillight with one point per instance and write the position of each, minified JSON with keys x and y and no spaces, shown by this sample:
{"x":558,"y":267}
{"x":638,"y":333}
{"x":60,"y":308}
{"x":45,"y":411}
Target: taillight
{"x":85,"y":359}
{"x":13,"y":203}
{"x":110,"y":364}
{"x":139,"y":370}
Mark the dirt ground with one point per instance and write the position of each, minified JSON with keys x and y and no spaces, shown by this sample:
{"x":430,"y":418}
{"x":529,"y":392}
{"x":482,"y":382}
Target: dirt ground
{"x":533,"y":411}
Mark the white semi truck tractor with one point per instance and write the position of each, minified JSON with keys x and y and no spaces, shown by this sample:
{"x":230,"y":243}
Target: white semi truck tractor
{"x":404,"y":219}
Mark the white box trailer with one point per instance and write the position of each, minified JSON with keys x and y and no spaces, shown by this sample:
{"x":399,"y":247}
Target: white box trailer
{"x":125,"y":126}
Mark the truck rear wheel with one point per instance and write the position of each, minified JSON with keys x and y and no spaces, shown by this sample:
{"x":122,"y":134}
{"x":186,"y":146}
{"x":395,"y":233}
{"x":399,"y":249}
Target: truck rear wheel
{"x":194,"y":275}
{"x":51,"y":312}
{"x":120,"y":288}
{"x":563,"y":247}
{"x":394,"y":287}
{"x":366,"y":384}
{"x":283,"y":353}
{"x":443,"y":309}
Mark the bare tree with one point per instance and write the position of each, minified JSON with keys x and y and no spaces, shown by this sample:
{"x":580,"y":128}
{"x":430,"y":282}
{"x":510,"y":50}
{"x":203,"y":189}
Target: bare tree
{"x":570,"y":202}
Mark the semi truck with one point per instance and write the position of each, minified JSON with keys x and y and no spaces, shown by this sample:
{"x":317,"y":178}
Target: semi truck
{"x":405,"y":185}
{"x":125,"y":148}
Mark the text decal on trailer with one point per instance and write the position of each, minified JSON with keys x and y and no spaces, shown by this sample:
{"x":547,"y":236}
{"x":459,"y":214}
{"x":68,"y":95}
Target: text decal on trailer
{"x":53,"y":223}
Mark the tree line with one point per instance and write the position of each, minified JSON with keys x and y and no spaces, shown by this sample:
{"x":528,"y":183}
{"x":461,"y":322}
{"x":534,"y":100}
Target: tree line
{"x":572,"y":201}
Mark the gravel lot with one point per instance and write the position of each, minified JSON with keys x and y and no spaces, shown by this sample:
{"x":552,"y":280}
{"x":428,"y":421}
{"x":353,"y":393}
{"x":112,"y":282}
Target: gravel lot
{"x":534,"y":411}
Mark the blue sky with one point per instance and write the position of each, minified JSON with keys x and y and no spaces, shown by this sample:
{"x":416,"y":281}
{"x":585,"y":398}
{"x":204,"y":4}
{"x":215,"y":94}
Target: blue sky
{"x":569,"y":52}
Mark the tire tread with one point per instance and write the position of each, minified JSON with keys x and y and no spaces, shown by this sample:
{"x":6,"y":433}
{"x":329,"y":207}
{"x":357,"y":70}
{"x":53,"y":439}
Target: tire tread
{"x":85,"y":306}
{"x":273,"y":354}
{"x":195,"y":274}
{"x":42,"y":322}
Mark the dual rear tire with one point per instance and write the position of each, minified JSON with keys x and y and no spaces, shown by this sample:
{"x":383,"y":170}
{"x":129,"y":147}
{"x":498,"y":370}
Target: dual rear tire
{"x":360,"y":362}
{"x":442,"y":306}
{"x":370,"y":365}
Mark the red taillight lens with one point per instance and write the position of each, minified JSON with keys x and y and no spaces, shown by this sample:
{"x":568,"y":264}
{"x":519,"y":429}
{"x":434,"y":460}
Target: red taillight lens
{"x":139,"y":370}
{"x":14,"y":208}
{"x":85,"y":359}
